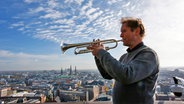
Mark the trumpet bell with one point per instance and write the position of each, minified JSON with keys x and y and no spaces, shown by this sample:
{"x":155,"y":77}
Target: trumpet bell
{"x":64,"y":47}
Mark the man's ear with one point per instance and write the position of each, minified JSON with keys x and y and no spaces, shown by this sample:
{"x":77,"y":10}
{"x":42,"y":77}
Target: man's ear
{"x":137,"y":30}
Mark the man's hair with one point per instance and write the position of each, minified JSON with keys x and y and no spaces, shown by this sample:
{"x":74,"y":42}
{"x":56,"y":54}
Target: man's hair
{"x":133,"y":23}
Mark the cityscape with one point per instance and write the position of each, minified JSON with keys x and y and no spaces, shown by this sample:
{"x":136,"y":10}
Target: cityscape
{"x":71,"y":85}
{"x":34,"y":70}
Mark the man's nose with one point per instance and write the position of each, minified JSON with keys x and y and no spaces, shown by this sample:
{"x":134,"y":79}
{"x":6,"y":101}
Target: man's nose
{"x":121,"y":35}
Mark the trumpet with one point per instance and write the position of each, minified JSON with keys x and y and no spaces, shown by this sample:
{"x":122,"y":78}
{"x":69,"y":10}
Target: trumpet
{"x":78,"y":46}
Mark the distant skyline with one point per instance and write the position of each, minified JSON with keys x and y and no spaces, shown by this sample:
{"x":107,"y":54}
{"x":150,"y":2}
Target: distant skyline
{"x":32,"y":30}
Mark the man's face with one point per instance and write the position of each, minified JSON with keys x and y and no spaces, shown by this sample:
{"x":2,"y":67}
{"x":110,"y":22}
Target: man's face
{"x":127,"y":35}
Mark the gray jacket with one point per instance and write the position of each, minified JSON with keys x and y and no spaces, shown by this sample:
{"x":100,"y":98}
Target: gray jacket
{"x":135,"y":75}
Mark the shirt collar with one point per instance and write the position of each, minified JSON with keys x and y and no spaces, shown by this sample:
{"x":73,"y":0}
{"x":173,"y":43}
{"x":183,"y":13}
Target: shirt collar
{"x":136,"y":47}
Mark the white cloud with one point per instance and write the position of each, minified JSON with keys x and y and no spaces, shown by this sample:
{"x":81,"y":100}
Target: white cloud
{"x":36,"y":10}
{"x":90,"y":11}
{"x":8,"y":54}
{"x":30,"y":1}
{"x":64,"y":21}
{"x":52,"y":3}
{"x":85,"y":7}
{"x":52,"y":15}
{"x":79,"y":1}
{"x":25,"y":61}
{"x":18,"y":24}
{"x":75,"y":17}
{"x":112,"y":1}
{"x":78,"y":21}
{"x":165,"y":30}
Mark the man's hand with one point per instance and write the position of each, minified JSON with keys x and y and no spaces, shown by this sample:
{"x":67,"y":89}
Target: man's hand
{"x":95,"y":47}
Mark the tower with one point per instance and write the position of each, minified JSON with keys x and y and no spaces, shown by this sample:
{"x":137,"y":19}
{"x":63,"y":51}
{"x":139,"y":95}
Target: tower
{"x":70,"y":73}
{"x":75,"y":71}
{"x":62,"y":71}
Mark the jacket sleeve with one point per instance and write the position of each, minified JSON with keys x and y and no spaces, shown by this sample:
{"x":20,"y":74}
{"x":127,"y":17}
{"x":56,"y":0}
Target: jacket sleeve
{"x":141,"y":67}
{"x":102,"y":70}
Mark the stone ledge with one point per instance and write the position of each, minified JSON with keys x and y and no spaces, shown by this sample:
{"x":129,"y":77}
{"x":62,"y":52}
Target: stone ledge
{"x":108,"y":102}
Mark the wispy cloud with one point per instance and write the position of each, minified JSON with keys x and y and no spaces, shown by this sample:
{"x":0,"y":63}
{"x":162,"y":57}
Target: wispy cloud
{"x":31,"y":1}
{"x":36,"y":10}
{"x":24,"y":61}
{"x":83,"y":20}
{"x":18,"y":24}
{"x":66,"y":20}
{"x":164,"y":30}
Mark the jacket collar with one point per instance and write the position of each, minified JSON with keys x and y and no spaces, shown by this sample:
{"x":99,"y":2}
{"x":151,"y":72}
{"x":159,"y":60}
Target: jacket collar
{"x":136,"y":47}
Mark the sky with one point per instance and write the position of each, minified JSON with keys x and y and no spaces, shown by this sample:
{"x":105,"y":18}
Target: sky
{"x":31,"y":31}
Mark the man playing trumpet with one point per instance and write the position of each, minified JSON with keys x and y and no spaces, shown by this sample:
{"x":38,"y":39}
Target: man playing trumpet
{"x":136,"y":71}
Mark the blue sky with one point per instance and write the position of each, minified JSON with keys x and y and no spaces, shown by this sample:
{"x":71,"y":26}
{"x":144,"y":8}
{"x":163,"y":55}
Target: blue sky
{"x":32,"y":30}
